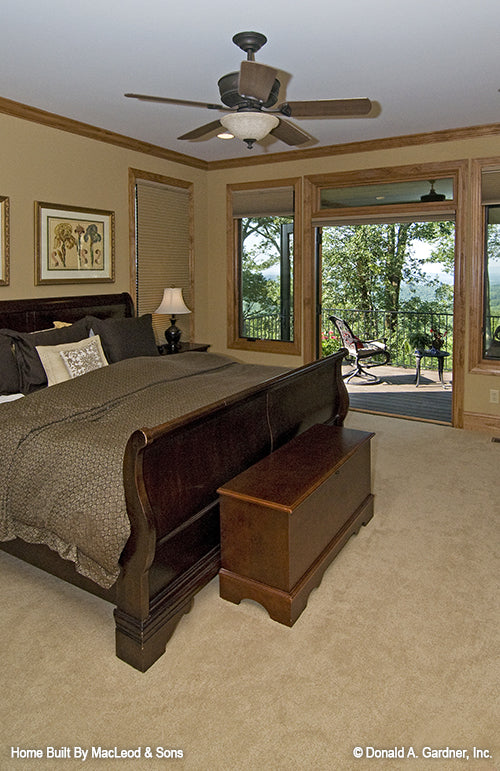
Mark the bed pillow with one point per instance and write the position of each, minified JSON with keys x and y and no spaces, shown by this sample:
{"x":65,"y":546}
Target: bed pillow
{"x":9,"y":376}
{"x":4,"y":398}
{"x":69,"y":360}
{"x":31,"y":372}
{"x":125,"y":338}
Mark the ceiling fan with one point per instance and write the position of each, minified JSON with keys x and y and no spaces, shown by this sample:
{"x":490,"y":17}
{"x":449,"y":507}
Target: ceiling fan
{"x":249,"y":95}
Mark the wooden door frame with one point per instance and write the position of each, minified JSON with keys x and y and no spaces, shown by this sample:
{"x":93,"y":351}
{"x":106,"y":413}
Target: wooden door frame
{"x":313,"y":184}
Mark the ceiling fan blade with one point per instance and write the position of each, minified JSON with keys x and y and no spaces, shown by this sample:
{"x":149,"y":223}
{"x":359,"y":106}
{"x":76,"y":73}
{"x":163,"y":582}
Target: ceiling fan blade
{"x":290,"y":134}
{"x":256,"y":80}
{"x":201,"y":131}
{"x":186,"y":102}
{"x":327,"y":108}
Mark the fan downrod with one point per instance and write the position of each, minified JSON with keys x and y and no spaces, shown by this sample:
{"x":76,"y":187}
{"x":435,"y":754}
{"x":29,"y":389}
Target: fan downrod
{"x":250,"y":42}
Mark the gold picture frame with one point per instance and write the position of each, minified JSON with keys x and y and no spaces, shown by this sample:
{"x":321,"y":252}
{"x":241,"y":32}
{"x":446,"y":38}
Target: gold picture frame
{"x":4,"y":241}
{"x":74,"y":245}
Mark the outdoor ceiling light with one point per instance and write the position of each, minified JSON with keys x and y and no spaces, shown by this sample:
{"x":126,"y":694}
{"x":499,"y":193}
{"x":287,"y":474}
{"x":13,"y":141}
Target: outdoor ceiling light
{"x":249,"y":126}
{"x":432,"y":195}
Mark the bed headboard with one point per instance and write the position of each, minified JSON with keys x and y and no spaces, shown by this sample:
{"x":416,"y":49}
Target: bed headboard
{"x":40,"y":312}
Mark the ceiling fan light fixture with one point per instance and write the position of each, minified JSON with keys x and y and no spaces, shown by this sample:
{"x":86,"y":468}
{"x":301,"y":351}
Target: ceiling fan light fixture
{"x":246,"y":97}
{"x":249,"y":126}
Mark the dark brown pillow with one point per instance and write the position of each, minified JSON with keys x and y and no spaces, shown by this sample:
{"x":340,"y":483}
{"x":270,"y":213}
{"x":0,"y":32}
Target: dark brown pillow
{"x":125,"y":338}
{"x":31,"y":372}
{"x":9,"y":376}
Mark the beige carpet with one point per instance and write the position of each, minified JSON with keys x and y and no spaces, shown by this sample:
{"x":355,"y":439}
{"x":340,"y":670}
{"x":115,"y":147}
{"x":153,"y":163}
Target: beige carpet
{"x":398,"y":647}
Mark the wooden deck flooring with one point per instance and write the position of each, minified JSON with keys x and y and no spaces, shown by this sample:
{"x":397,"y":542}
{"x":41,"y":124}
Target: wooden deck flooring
{"x":398,"y":395}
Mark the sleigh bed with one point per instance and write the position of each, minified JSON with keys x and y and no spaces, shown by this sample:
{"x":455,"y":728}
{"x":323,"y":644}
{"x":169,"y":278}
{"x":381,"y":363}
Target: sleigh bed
{"x":127,"y":512}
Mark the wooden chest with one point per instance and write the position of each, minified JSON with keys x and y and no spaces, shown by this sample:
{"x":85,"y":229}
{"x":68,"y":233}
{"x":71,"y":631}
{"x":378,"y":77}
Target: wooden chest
{"x":284,"y":519}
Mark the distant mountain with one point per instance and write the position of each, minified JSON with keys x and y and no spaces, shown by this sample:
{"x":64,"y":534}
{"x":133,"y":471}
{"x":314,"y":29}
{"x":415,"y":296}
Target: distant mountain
{"x":426,"y":293}
{"x":494,"y":274}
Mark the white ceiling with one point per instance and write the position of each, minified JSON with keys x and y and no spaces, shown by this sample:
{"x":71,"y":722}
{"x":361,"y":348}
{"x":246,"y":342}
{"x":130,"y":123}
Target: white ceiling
{"x":428,"y":64}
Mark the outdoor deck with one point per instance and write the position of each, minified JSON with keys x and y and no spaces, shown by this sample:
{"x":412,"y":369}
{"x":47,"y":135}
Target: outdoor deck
{"x":397,"y":394}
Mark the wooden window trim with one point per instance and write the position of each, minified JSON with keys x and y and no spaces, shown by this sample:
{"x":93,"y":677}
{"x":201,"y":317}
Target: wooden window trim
{"x":477,"y":363}
{"x":383,"y":175}
{"x":234,"y":340}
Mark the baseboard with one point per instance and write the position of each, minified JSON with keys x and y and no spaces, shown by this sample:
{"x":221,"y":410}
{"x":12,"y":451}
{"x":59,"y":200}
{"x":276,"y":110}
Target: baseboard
{"x":476,"y":421}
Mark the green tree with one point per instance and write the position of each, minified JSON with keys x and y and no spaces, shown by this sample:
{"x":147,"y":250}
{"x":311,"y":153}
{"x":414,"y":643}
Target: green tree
{"x":261,"y":252}
{"x":492,"y":278}
{"x":364,"y":266}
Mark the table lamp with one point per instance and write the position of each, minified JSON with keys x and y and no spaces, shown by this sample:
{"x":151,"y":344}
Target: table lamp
{"x":172,"y":305}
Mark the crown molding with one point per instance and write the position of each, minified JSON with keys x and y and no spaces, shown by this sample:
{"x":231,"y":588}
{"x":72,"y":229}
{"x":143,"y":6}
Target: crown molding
{"x":369,"y":145}
{"x":35,"y":115}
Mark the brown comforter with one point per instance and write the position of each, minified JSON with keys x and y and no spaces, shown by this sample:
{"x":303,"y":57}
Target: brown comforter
{"x":61,"y":449}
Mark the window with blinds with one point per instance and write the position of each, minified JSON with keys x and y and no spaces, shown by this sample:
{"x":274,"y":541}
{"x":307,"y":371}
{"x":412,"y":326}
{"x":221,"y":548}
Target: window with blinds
{"x":163,"y":250}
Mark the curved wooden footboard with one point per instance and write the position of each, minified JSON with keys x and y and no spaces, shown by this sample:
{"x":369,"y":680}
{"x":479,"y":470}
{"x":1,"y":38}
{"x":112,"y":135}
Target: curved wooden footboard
{"x":171,"y":475}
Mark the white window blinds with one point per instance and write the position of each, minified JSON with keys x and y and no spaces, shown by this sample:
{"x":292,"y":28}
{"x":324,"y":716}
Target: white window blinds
{"x":163,"y":243}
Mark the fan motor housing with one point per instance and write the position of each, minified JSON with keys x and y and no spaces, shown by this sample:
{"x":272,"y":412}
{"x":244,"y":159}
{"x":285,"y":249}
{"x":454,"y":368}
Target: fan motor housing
{"x":229,"y":94}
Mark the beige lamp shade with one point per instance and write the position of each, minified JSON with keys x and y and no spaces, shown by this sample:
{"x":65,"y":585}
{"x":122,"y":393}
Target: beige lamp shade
{"x":172,"y":303}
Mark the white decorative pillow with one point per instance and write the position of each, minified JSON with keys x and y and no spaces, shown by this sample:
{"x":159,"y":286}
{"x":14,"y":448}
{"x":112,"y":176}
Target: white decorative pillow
{"x":84,"y":359}
{"x":68,"y":360}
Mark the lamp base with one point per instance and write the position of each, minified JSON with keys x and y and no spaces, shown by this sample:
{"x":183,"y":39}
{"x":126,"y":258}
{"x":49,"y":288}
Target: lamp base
{"x":172,"y":336}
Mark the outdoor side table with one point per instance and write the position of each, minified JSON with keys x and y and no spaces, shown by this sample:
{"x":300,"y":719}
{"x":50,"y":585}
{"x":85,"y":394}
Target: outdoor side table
{"x":432,"y":353}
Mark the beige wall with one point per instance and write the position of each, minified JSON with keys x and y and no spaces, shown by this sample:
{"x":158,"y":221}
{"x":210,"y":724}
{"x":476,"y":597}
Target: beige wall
{"x":40,"y":163}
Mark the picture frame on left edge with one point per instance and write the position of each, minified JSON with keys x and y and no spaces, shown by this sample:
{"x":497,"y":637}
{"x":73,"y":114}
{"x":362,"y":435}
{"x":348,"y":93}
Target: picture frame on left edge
{"x":4,"y":241}
{"x":73,"y":245}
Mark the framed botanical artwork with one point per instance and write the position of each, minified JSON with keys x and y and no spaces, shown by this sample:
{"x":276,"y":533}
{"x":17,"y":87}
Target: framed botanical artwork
{"x":73,"y":245}
{"x":4,"y":241}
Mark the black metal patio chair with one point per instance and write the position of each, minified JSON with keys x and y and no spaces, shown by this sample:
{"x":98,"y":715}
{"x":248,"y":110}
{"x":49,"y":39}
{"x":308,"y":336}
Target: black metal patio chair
{"x":367,"y":352}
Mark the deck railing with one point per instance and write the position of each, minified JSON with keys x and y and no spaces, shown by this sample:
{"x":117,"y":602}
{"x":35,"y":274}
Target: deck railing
{"x":396,"y":327}
{"x":268,"y":326}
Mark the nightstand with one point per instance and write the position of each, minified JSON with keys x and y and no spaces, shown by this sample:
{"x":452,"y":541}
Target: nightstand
{"x":183,"y":348}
